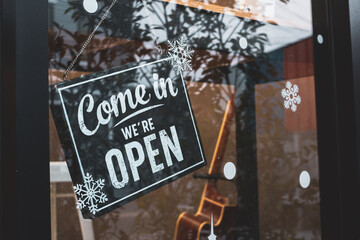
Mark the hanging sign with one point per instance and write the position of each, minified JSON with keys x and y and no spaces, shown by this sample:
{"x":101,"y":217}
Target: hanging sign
{"x":125,"y":133}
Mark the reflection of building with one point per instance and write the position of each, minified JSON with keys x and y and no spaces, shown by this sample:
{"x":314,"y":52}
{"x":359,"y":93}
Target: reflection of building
{"x":212,"y":235}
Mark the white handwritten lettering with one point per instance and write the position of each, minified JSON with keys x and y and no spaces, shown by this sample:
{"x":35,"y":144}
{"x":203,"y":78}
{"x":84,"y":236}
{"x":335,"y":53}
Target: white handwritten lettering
{"x":81,"y":120}
{"x":135,"y":152}
{"x":121,"y":102}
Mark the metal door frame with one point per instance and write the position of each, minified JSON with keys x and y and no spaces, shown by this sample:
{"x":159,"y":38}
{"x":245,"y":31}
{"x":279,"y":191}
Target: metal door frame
{"x":337,"y":121}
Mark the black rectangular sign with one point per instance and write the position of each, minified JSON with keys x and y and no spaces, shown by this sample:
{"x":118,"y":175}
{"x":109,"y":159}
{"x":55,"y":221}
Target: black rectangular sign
{"x":125,"y":132}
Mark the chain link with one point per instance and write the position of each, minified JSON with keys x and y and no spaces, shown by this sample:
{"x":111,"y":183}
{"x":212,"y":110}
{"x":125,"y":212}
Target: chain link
{"x":86,"y":43}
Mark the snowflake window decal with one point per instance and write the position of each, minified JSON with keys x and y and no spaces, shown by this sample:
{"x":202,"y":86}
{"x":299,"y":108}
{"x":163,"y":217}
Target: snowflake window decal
{"x":291,"y":96}
{"x":180,"y":55}
{"x":89,"y":194}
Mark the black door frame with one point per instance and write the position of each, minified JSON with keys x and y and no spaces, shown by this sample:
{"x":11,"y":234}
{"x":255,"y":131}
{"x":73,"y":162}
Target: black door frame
{"x":24,"y":131}
{"x":338,"y":138}
{"x":24,"y":166}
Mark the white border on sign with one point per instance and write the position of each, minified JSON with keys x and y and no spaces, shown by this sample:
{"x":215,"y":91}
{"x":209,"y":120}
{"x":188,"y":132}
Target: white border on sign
{"x":112,"y":74}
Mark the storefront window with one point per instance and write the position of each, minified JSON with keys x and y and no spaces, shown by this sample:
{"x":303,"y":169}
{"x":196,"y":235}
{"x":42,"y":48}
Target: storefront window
{"x":251,"y":87}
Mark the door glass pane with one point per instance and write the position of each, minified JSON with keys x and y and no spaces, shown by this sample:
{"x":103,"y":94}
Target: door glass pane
{"x":261,"y":180}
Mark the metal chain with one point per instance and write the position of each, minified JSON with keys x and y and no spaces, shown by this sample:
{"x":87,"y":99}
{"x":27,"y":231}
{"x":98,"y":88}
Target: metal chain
{"x":86,"y":43}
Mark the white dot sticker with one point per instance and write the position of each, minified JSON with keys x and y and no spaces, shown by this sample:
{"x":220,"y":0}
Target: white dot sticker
{"x":243,"y":43}
{"x":320,"y":39}
{"x":229,"y":170}
{"x":90,"y":6}
{"x":304,"y":179}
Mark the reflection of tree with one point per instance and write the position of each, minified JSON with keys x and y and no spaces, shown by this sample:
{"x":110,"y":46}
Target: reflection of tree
{"x":115,"y":46}
{"x":215,"y":38}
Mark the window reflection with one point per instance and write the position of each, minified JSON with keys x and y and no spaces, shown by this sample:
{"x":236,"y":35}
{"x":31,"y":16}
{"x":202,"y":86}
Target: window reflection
{"x":251,"y":48}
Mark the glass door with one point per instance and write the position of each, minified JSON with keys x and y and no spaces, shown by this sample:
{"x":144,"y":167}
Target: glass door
{"x":249,"y":72}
